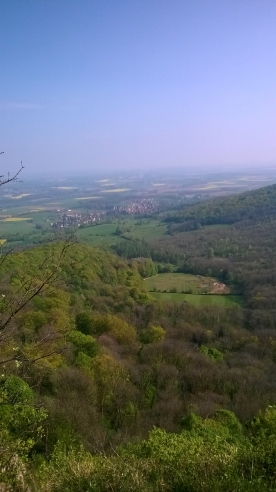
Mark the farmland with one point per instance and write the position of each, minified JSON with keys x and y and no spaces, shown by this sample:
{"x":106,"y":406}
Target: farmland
{"x":27,"y":209}
{"x":17,"y":219}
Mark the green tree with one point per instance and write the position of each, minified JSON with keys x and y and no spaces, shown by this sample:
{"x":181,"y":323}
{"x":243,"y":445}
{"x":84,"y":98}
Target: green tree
{"x":20,"y":429}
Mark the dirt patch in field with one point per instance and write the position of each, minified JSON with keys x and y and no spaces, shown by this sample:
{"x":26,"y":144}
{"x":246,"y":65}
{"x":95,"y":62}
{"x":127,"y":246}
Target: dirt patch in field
{"x":213,"y":286}
{"x":219,"y":288}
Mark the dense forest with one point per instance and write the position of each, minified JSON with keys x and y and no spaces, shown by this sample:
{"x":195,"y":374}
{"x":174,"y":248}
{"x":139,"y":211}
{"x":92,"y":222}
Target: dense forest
{"x":103,"y":388}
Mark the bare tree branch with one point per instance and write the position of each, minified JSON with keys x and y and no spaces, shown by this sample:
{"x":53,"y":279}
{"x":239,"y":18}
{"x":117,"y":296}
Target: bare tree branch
{"x":9,"y":177}
{"x":17,"y":297}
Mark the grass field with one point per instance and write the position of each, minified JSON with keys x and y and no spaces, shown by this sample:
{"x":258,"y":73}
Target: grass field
{"x":10,"y":228}
{"x":199,"y":300}
{"x":103,"y":234}
{"x":106,"y":233}
{"x":182,"y":282}
{"x":149,"y":229}
{"x":96,"y":235}
{"x":23,"y":229}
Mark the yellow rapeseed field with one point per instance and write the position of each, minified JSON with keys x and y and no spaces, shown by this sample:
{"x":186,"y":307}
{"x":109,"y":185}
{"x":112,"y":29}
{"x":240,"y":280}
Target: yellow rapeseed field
{"x":17,"y":219}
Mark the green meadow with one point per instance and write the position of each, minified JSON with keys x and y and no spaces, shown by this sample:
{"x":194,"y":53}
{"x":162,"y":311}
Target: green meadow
{"x":96,"y":235}
{"x":199,"y":300}
{"x":195,"y":289}
{"x":180,"y":282}
{"x":8,"y":228}
{"x":185,"y":284}
{"x":102,"y":234}
{"x":149,"y":229}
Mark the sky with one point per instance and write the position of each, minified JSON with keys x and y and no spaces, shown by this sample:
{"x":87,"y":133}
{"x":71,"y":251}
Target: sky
{"x":89,"y":85}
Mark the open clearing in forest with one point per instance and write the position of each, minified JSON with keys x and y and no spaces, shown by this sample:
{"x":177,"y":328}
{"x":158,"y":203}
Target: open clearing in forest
{"x":97,"y":235}
{"x":148,"y":229}
{"x":199,"y":300}
{"x":185,"y":284}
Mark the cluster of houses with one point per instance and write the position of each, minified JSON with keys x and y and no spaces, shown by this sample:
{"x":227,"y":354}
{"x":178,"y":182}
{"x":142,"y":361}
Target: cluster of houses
{"x":142,"y":206}
{"x":70,"y":219}
{"x":73,"y":219}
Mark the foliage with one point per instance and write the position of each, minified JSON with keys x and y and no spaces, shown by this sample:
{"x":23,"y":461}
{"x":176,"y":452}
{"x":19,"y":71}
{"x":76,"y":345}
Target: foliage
{"x":20,"y":429}
{"x":204,"y":457}
{"x":83,"y":343}
{"x":152,"y":334}
{"x":105,"y":389}
{"x":213,"y":353}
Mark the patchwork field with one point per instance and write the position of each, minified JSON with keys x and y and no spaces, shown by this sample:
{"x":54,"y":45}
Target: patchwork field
{"x":25,"y":229}
{"x":29,"y":207}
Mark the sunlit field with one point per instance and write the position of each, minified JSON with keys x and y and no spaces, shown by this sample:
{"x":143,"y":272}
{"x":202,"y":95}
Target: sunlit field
{"x":199,"y":300}
{"x":183,"y":282}
{"x":17,"y":219}
{"x":17,"y":197}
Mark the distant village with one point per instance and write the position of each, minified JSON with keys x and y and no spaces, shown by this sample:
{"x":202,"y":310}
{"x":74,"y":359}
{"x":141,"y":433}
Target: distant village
{"x":143,"y":206}
{"x":70,"y":218}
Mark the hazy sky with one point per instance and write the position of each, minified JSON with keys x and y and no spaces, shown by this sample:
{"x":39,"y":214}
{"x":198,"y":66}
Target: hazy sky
{"x":128,"y":84}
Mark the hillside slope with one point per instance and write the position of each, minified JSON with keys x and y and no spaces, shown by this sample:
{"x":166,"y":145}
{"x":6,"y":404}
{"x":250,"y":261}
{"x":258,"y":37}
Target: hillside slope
{"x":90,"y":363}
{"x":248,"y":206}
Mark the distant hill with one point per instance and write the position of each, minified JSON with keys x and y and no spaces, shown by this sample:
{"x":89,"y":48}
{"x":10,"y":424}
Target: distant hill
{"x":248,"y":206}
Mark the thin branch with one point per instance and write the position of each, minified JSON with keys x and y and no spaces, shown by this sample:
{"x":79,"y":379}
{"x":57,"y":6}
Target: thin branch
{"x":21,"y":359}
{"x":9,"y":177}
